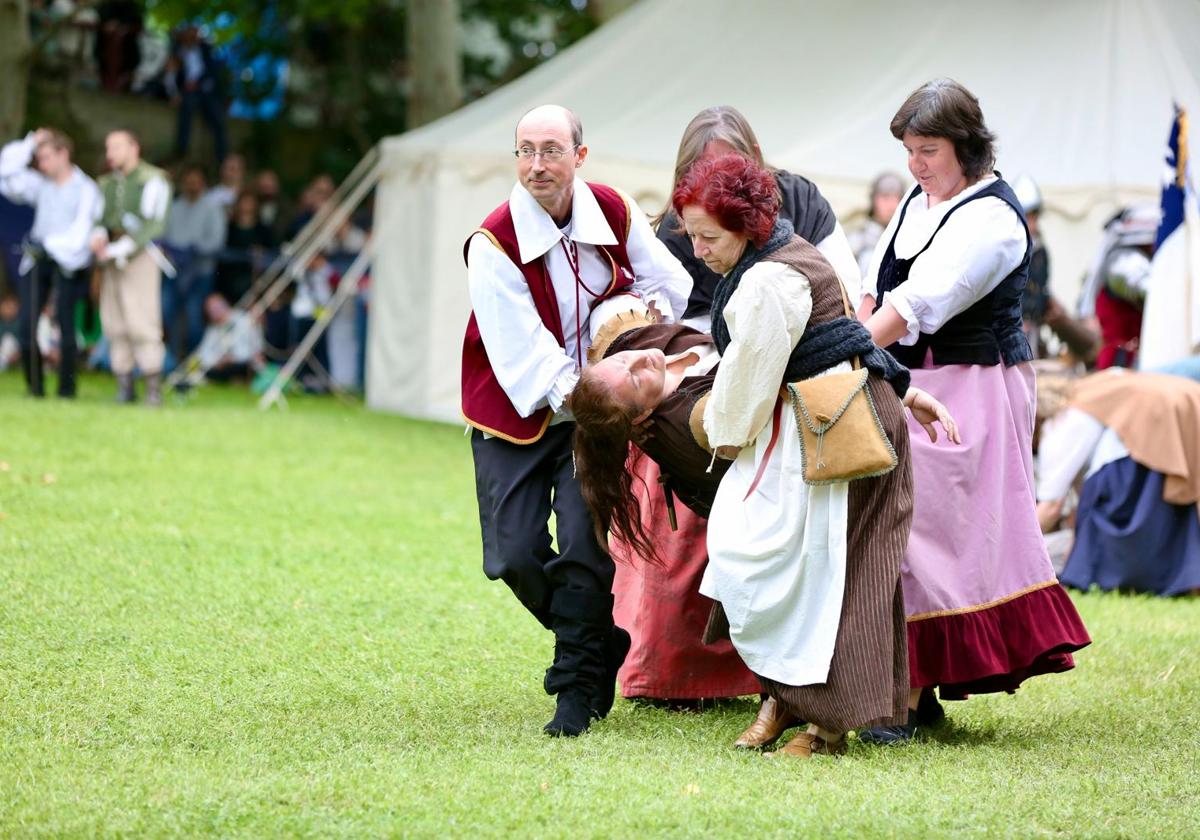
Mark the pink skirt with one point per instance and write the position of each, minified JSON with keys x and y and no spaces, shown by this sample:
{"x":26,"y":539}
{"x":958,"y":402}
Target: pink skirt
{"x":985,"y":610}
{"x":663,"y":610}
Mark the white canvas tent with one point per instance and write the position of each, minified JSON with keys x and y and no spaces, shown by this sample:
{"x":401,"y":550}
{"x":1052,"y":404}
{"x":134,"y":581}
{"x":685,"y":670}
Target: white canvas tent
{"x":1079,"y":93}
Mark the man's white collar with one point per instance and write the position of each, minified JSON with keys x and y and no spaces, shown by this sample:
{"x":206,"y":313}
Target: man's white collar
{"x":536,"y":231}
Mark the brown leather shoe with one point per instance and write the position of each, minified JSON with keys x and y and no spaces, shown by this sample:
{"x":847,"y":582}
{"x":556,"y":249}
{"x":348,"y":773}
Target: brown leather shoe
{"x":806,"y":745}
{"x":771,"y":722}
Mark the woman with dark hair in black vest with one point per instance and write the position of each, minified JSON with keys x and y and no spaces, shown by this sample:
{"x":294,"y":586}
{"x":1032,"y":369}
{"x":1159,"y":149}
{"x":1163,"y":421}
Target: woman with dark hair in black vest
{"x":943,"y":293}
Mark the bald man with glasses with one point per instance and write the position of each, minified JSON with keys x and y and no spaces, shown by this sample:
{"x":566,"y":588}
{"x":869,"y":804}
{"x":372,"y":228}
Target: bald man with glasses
{"x":536,"y":267}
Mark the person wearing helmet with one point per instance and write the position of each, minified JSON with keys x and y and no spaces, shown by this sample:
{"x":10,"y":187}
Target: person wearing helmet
{"x":1038,"y":306}
{"x":1115,"y":290}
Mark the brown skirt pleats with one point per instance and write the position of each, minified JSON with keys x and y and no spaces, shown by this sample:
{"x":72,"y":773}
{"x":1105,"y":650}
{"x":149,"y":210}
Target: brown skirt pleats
{"x":868,"y":675}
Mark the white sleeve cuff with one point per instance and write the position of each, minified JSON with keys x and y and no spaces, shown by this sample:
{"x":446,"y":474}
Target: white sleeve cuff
{"x":560,"y":388}
{"x":122,"y":249}
{"x":904,"y":309}
{"x":18,"y":154}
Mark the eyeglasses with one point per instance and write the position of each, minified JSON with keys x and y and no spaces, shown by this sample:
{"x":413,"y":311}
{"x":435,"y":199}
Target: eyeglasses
{"x":551,"y":155}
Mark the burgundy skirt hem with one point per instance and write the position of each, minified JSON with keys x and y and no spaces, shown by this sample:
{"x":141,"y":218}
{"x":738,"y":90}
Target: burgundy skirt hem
{"x":729,"y":691}
{"x":996,"y":648}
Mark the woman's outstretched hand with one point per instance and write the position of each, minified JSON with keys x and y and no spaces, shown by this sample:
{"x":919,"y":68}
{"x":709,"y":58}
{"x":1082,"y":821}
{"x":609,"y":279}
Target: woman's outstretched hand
{"x":929,"y":411}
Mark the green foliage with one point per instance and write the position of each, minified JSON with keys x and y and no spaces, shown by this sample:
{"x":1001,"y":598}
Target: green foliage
{"x":249,"y":16}
{"x":349,"y":56}
{"x":514,"y":22}
{"x":215,"y":621}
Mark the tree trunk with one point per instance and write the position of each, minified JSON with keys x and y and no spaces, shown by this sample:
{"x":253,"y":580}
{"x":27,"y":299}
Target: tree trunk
{"x":14,"y":66}
{"x":435,"y":59}
{"x":603,"y":11}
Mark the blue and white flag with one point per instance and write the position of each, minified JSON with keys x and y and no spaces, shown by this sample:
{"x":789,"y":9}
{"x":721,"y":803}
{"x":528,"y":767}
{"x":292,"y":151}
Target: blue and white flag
{"x":1171,"y":319}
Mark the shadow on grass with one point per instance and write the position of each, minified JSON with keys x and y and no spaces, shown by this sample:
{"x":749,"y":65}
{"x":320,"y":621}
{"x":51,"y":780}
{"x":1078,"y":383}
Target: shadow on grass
{"x":951,"y":733}
{"x":736,"y":713}
{"x":696,"y":707}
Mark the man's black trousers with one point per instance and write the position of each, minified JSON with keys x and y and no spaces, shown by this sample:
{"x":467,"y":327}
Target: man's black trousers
{"x":569,"y":590}
{"x":33,"y":291}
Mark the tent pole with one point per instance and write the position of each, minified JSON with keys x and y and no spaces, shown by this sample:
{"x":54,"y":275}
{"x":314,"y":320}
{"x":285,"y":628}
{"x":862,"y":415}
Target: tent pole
{"x":347,"y":288}
{"x":313,"y":237}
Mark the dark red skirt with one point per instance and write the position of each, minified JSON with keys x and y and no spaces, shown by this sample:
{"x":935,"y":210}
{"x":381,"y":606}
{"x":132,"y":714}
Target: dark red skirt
{"x":664,"y":612}
{"x":998,"y":647}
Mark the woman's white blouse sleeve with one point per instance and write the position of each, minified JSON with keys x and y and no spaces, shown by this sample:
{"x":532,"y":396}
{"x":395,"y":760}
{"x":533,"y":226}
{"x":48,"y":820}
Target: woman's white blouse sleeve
{"x":766,"y":317}
{"x":980,"y":245}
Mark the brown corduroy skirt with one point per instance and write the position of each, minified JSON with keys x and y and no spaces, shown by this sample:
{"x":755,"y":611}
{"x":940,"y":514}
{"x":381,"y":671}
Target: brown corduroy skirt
{"x":868,"y":675}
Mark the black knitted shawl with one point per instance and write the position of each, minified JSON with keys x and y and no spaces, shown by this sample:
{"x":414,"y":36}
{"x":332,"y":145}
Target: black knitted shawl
{"x":823,"y":345}
{"x":781,"y":234}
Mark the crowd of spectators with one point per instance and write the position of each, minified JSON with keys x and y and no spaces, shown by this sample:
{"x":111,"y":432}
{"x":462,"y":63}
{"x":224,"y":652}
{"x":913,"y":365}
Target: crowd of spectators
{"x":226,"y":224}
{"x":219,"y":238}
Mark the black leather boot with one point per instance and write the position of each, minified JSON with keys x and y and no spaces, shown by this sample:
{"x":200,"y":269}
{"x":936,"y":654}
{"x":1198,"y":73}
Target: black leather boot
{"x":615,"y":651}
{"x":125,"y":390}
{"x":582,"y":624}
{"x":929,"y":711}
{"x":153,"y":389}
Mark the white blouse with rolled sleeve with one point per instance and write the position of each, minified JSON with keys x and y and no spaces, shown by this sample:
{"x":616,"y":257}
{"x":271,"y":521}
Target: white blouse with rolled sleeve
{"x":64,"y":213}
{"x":978,"y":247}
{"x":776,"y":546}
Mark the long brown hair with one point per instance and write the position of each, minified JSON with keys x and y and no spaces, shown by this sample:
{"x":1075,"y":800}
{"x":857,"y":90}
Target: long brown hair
{"x":720,"y":122}
{"x":603,"y":429}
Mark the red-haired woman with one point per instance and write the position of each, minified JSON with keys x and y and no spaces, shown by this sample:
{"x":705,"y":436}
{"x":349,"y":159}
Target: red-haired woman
{"x":660,"y":605}
{"x":808,"y":576}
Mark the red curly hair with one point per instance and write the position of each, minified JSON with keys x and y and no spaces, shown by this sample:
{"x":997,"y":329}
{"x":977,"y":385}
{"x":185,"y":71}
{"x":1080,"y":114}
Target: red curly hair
{"x":741,"y":195}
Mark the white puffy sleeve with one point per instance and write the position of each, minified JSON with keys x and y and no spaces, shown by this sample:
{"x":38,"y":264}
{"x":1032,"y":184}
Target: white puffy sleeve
{"x":18,"y":183}
{"x":530,"y":365}
{"x":1068,"y":440}
{"x":980,"y":245}
{"x":766,"y":317}
{"x":658,"y":275}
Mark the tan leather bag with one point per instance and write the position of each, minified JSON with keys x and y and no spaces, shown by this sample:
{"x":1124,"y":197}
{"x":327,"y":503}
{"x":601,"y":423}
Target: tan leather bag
{"x":841,"y":435}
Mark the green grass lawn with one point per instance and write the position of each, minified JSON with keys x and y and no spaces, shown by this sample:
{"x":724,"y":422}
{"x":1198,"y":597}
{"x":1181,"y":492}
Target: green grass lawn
{"x":220,"y":621}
